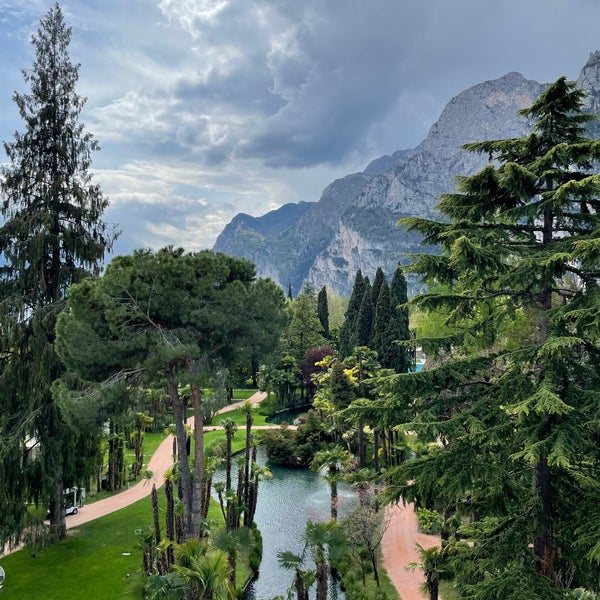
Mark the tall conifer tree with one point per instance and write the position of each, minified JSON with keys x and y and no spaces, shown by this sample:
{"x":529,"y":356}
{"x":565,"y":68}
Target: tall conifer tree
{"x":323,"y":311}
{"x":364,"y":322}
{"x":348,"y":330}
{"x":51,"y":237}
{"x":399,"y":356}
{"x":379,"y":279}
{"x":382,"y":343}
{"x":516,"y":409}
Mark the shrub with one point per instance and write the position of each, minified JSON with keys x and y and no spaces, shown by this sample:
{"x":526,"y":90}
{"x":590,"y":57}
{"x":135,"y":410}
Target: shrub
{"x":430,"y":521}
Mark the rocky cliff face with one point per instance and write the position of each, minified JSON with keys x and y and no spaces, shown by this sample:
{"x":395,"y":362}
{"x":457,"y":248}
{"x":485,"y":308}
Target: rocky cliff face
{"x":353,"y":226}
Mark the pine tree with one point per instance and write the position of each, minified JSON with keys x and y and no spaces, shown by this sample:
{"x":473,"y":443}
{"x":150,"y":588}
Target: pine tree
{"x":514,"y":407}
{"x":52,"y":236}
{"x":323,"y":311}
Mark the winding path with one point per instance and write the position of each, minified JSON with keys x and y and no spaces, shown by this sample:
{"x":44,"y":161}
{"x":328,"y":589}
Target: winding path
{"x":161,"y":460}
{"x":398,"y":544}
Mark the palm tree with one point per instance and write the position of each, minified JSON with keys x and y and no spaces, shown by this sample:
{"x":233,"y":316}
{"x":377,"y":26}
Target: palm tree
{"x":232,"y":518}
{"x":303,"y":579}
{"x":333,"y":461}
{"x":232,"y":542}
{"x":363,"y":480}
{"x":326,"y":542}
{"x":431,"y":562}
{"x":246,"y":409}
{"x":258,"y":474}
{"x":230,"y":427}
{"x":164,"y":587}
{"x":203,"y":570}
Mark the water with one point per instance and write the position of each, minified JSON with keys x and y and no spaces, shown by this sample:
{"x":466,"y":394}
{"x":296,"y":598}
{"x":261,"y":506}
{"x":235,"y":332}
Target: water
{"x":285,"y":503}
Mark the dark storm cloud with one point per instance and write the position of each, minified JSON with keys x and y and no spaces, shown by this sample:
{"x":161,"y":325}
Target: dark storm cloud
{"x":225,"y":106}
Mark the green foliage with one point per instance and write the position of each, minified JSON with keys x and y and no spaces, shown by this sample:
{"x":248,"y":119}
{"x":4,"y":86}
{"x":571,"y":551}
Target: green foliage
{"x":52,"y":236}
{"x":280,"y":446}
{"x":298,"y":447}
{"x":305,"y":328}
{"x":342,"y":389}
{"x":323,"y":311}
{"x":509,"y":408}
{"x":364,"y":322}
{"x":348,"y":335}
{"x":430,"y":521}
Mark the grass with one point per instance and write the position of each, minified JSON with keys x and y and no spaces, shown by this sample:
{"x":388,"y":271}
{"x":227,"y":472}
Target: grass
{"x":448,"y":591}
{"x":93,"y":562}
{"x":243,"y":394}
{"x":239,"y":418}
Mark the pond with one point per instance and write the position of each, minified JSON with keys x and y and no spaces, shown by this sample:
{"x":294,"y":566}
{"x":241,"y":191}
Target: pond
{"x":285,"y":503}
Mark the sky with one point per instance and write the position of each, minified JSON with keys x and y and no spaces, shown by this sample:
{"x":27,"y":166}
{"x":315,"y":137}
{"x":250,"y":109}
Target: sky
{"x":207,"y":108}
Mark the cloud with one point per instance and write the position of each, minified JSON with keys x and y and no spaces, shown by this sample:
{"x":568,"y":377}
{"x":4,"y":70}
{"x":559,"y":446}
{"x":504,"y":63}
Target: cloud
{"x":225,"y":106}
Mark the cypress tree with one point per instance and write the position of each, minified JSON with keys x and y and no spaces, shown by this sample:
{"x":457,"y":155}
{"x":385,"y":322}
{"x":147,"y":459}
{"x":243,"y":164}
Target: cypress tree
{"x":379,"y":279}
{"x":364,"y":322}
{"x":382,"y":343}
{"x":398,"y":356}
{"x":347,"y":333}
{"x":52,"y":236}
{"x":323,"y":311}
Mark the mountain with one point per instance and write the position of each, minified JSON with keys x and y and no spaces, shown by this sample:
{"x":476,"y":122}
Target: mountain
{"x":353,"y":225}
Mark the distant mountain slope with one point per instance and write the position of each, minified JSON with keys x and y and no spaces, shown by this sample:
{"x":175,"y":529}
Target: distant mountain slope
{"x":353,"y":225}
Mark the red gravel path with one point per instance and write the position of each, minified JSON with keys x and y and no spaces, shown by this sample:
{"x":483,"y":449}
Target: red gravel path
{"x":399,"y":550}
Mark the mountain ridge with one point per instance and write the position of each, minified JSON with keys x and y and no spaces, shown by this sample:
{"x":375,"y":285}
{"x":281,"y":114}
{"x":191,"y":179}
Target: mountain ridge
{"x":354,"y":224}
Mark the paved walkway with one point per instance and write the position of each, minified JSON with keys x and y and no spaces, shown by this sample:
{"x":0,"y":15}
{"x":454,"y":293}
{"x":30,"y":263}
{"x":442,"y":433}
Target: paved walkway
{"x":398,"y":544}
{"x":399,"y":550}
{"x":161,"y":460}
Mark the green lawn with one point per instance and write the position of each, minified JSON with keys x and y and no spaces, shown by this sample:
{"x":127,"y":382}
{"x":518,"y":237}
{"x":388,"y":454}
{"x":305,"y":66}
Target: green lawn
{"x":95,"y":562}
{"x":240,"y":419}
{"x":92,"y":563}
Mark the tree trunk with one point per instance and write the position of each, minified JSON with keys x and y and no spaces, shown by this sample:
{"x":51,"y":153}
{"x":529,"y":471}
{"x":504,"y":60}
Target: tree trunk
{"x":232,"y":559}
{"x":247,"y":468}
{"x":384,"y":450}
{"x":322,"y":580}
{"x":376,"y":450}
{"x":374,"y":564}
{"x":196,"y":520}
{"x":183,"y":463}
{"x":433,"y":587}
{"x":170,"y":518}
{"x":334,"y":499}
{"x":58,"y":526}
{"x":362,"y":455}
{"x":544,"y":544}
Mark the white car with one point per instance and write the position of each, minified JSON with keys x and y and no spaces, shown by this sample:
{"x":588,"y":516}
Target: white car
{"x":69,"y":510}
